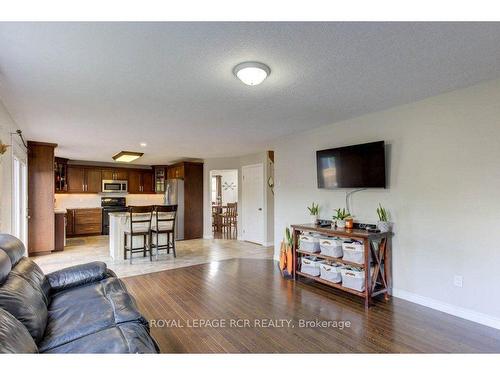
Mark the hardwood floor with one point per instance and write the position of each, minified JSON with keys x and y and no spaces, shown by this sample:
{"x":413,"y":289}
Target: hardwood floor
{"x":253,"y":289}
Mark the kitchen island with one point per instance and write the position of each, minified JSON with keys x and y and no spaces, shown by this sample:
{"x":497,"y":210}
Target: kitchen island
{"x":119,"y":222}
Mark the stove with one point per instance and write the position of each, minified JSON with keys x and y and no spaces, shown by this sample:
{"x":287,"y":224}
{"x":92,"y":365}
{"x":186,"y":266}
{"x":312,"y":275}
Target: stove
{"x":111,"y":204}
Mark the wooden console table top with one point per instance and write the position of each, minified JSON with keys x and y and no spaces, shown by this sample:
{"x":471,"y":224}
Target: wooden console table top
{"x":351,"y":233}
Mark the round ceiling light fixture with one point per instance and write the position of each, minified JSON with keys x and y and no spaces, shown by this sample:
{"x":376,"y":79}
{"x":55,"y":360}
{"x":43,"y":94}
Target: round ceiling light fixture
{"x":251,"y":73}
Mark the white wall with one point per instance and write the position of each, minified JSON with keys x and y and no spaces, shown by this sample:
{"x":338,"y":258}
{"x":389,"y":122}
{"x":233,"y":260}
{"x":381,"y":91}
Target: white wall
{"x":94,"y":200}
{"x":443,"y":195}
{"x":218,"y":164}
{"x":7,"y":126}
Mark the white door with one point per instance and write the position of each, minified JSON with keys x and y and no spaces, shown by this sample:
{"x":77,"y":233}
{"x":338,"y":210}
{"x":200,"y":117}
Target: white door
{"x":253,"y":203}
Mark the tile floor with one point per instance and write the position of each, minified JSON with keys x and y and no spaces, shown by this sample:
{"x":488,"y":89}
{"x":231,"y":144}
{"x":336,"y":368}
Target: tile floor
{"x":191,"y":252}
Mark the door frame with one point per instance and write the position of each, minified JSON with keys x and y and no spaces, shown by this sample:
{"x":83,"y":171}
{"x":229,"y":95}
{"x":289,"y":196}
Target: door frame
{"x":19,"y":153}
{"x":264,"y":204}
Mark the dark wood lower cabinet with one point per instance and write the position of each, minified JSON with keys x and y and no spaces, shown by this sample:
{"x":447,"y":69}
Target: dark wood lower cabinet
{"x":83,"y":221}
{"x":60,"y":223}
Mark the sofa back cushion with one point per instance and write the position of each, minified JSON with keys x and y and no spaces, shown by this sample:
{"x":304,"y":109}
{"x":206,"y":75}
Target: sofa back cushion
{"x":25,"y":303}
{"x":13,"y":247}
{"x":5,"y":266}
{"x":14,"y":337}
{"x":31,"y":272}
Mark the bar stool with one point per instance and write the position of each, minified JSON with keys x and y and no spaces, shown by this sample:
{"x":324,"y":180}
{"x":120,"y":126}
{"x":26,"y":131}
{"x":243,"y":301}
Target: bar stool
{"x":144,"y":230}
{"x":164,"y":224}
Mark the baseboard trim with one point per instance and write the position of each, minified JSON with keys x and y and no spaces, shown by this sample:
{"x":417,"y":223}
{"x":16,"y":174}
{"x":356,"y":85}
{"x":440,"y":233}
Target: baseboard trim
{"x":210,"y":237}
{"x":267,"y":244}
{"x":460,"y":312}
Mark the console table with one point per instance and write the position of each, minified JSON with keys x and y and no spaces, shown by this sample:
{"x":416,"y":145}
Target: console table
{"x":377,"y":253}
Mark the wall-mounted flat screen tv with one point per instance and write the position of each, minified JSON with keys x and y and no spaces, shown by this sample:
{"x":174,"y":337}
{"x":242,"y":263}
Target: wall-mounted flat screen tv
{"x":357,"y":166}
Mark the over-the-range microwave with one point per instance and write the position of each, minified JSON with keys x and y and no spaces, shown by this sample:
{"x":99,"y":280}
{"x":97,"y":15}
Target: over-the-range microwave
{"x":114,"y":186}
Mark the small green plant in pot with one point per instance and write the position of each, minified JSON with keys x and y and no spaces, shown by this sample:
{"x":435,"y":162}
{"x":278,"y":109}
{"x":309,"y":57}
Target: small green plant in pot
{"x":383,"y":223}
{"x":341,"y":214}
{"x":314,"y":212}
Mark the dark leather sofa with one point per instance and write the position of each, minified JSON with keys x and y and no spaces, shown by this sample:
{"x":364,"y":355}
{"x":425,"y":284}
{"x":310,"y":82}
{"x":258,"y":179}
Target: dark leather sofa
{"x":80,"y":309}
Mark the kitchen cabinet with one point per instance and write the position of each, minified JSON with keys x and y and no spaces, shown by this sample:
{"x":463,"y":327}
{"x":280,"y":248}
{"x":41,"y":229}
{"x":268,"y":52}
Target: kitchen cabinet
{"x":140,"y":181}
{"x":147,"y":182}
{"x":176,"y":171}
{"x":76,"y":179}
{"x":60,"y":222}
{"x":160,"y":177}
{"x":84,"y":179}
{"x":87,"y":221}
{"x":60,"y":175}
{"x":93,"y":180}
{"x":115,"y":174}
{"x":70,"y":223}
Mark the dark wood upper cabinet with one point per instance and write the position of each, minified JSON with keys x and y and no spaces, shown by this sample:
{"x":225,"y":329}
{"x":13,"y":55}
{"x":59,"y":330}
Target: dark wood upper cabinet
{"x":147,"y":182}
{"x":134,"y":182}
{"x":140,"y":181}
{"x":121,"y":174}
{"x":88,"y":179}
{"x":76,"y":179}
{"x":83,"y":179}
{"x":61,"y":175}
{"x":176,"y":171}
{"x":115,"y":174}
{"x":93,"y":180}
{"x":107,"y":174}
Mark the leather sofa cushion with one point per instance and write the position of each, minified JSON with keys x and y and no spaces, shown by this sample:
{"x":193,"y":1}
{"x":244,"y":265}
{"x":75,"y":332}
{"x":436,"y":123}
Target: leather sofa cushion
{"x":130,"y":337}
{"x":13,"y":247}
{"x":82,"y":311}
{"x":5,"y":266}
{"x":26,"y":303}
{"x":74,"y":276}
{"x":14,"y":337}
{"x":31,"y":272}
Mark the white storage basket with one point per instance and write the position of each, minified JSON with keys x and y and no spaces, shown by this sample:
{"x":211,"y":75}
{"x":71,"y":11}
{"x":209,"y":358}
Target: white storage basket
{"x":353,"y":252}
{"x":354,"y":278}
{"x":331,"y":247}
{"x":309,"y":243}
{"x":331,"y":273}
{"x":310,"y":265}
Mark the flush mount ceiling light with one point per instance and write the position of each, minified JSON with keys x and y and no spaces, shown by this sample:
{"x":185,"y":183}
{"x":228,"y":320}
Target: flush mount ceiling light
{"x":251,"y":73}
{"x":127,"y":156}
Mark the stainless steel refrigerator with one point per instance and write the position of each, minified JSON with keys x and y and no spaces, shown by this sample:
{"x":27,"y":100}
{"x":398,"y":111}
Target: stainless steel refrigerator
{"x":174,"y":194}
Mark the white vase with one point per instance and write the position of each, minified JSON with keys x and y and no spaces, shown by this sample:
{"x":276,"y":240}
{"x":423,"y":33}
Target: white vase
{"x":384,"y":226}
{"x":314,"y":219}
{"x":340,"y":224}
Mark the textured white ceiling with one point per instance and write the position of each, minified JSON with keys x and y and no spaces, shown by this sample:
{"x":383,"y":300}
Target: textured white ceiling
{"x":98,"y":88}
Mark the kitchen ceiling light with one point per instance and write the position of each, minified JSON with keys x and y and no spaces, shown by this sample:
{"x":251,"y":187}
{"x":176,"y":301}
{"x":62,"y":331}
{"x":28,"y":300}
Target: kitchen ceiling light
{"x":127,"y":156}
{"x":143,"y":144}
{"x":251,"y":73}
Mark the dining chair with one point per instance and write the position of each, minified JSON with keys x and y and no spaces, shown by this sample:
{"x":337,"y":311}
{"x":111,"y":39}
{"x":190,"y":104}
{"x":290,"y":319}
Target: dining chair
{"x":140,"y":225}
{"x":230,"y":220}
{"x":164,"y":223}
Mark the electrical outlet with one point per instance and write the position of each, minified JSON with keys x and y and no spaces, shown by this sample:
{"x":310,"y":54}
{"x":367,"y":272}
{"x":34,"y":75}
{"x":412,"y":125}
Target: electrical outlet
{"x":458,"y":281}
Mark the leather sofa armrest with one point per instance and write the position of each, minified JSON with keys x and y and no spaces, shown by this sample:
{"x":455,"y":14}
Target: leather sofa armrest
{"x":81,"y":274}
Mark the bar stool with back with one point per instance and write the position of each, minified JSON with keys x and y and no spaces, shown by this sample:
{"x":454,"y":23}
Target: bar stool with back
{"x":144,"y":231}
{"x":164,"y":224}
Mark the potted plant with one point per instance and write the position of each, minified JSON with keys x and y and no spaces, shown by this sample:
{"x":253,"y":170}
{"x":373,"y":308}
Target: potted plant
{"x":383,"y":223}
{"x":314,"y":212}
{"x":341,"y":214}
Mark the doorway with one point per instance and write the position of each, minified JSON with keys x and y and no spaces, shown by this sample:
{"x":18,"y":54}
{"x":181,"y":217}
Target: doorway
{"x":19,"y":199}
{"x":253,"y":203}
{"x":224,"y":203}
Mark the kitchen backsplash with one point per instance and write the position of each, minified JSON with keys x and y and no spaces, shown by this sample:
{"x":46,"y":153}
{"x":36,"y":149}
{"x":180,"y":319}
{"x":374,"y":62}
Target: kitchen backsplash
{"x":94,"y":200}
